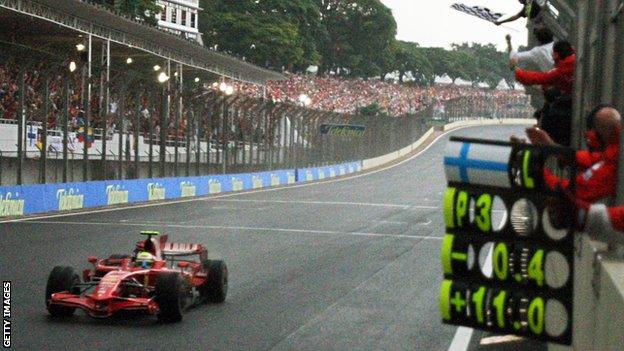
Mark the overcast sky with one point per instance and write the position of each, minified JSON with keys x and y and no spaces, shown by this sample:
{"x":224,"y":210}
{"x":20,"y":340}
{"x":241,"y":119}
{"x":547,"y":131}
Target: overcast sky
{"x":434,"y":23}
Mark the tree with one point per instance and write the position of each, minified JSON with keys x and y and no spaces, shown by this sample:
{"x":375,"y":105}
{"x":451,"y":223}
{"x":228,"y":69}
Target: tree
{"x":409,"y":58}
{"x":350,"y":49}
{"x":461,"y":65}
{"x":440,"y":62}
{"x":491,"y":64}
{"x":272,"y":33}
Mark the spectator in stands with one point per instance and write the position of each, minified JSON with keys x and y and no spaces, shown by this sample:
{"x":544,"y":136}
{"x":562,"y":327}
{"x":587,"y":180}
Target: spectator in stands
{"x":540,"y":57}
{"x":531,"y":9}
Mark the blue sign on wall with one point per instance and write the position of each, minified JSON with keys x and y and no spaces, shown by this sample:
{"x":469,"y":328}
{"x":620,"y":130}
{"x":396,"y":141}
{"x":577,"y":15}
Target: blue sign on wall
{"x":320,"y":173}
{"x":41,"y":198}
{"x":30,"y":199}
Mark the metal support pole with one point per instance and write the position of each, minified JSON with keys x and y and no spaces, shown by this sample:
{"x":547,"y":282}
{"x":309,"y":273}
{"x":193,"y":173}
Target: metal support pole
{"x":280,"y":135}
{"x":291,"y":141}
{"x":208,"y":133}
{"x":21,"y":126}
{"x":163,"y":132}
{"x":44,"y":132}
{"x":164,"y":120}
{"x":196,"y":118}
{"x":150,"y":172}
{"x":105,"y":100}
{"x":66,"y":127}
{"x":190,"y":116}
{"x":235,"y":116}
{"x":120,"y":130}
{"x":268,"y":115}
{"x":87,"y":120}
{"x":252,"y":140}
{"x":137,"y":131}
{"x":243,"y":125}
{"x":178,"y":118}
{"x":224,"y":158}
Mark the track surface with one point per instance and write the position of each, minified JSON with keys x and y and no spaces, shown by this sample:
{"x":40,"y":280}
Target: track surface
{"x":344,"y":265}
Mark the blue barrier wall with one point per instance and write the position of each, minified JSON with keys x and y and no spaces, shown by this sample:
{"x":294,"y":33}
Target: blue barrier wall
{"x":320,"y":173}
{"x":41,"y":198}
{"x":31,"y":199}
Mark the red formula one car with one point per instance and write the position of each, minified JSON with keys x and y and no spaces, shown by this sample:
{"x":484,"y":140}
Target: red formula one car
{"x":159,"y":278}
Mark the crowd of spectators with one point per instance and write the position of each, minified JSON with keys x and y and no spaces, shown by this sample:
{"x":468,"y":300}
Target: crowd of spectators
{"x":325,"y":93}
{"x":345,"y":95}
{"x":35,"y":79}
{"x":496,"y":104}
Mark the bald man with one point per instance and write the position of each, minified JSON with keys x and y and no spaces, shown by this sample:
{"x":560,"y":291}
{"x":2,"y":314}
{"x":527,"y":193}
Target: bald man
{"x":596,"y":180}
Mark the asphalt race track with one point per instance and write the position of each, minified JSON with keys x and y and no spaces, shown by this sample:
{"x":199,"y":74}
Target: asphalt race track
{"x":341,"y":265}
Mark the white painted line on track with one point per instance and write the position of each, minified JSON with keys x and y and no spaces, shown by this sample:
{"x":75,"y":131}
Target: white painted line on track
{"x":461,"y":340}
{"x":391,"y":222}
{"x":502,"y":339}
{"x":403,"y":223}
{"x":258,"y":229}
{"x":339,"y":203}
{"x":174,"y":202}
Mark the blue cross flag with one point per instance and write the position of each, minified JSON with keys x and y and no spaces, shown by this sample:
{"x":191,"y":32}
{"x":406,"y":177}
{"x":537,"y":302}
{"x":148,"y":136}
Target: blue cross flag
{"x":477,"y":164}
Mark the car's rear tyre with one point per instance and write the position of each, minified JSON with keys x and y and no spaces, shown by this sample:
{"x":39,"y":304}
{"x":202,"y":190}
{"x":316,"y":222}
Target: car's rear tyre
{"x":170,"y":296}
{"x":61,"y":279}
{"x":216,"y":286}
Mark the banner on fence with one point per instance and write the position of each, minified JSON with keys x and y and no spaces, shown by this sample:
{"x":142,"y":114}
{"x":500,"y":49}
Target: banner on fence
{"x":343,"y":130}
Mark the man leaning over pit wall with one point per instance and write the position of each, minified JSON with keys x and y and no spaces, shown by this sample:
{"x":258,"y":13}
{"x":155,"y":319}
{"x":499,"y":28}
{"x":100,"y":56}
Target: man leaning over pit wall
{"x":596,"y":180}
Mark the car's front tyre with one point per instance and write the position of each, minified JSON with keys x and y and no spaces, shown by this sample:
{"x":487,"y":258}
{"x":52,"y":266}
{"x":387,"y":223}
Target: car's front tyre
{"x":61,"y":279}
{"x":170,"y":296}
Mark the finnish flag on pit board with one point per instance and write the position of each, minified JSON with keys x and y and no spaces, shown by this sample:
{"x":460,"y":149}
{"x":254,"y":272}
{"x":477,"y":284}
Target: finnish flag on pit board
{"x":477,"y":164}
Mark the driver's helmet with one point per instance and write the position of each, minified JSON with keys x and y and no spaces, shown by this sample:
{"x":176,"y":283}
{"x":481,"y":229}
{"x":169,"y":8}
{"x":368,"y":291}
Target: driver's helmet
{"x":144,"y":260}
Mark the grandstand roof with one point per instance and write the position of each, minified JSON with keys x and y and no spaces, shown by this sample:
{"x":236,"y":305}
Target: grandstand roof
{"x":87,"y":18}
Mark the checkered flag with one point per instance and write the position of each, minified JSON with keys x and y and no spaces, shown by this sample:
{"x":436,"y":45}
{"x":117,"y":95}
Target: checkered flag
{"x":478,"y":11}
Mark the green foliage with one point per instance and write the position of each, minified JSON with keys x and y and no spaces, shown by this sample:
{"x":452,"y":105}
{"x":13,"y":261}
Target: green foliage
{"x":491,"y":65}
{"x":141,"y":9}
{"x":350,"y":49}
{"x":272,"y":33}
{"x":347,"y":37}
{"x":410,"y":58}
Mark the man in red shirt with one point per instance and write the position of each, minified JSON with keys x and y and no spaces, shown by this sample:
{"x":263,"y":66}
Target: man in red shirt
{"x":560,"y":77}
{"x":556,"y":115}
{"x":596,"y":179}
